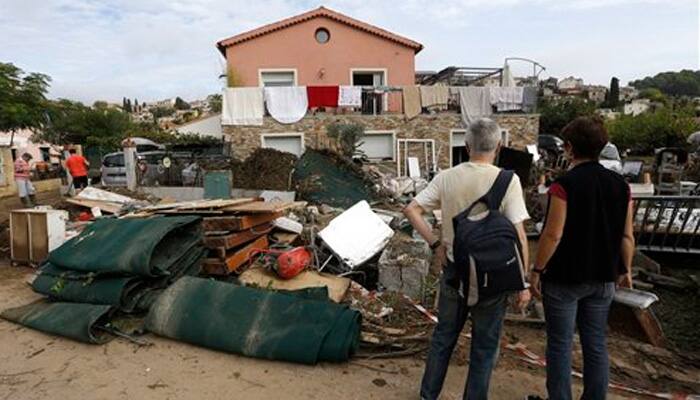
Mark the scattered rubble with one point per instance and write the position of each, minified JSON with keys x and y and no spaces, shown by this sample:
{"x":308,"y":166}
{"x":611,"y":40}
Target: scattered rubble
{"x":404,"y":265}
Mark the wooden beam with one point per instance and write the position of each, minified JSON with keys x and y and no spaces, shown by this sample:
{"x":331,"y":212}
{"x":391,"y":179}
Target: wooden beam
{"x":237,"y":238}
{"x":235,"y":259}
{"x":238,"y":222}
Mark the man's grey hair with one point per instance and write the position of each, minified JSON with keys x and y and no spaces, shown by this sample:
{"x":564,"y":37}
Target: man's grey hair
{"x":483,"y":136}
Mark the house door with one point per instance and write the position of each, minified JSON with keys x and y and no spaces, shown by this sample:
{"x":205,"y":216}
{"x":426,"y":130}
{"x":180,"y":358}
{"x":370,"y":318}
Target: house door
{"x":372,"y":103}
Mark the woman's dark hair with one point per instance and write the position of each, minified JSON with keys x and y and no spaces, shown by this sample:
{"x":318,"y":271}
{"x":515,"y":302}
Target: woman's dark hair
{"x":587,"y":136}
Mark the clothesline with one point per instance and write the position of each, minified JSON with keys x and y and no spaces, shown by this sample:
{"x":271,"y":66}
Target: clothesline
{"x":289,"y":104}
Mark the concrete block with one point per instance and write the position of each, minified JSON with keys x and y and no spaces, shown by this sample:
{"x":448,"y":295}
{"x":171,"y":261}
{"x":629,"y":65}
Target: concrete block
{"x":404,"y":265}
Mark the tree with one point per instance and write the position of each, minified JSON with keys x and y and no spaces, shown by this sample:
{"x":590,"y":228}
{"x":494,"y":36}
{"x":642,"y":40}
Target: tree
{"x":160,"y":112}
{"x":128,"y":106}
{"x":215,"y":103}
{"x":22,"y":99}
{"x":348,"y":137}
{"x":554,"y":115}
{"x":654,"y":95}
{"x":613,"y":96}
{"x":99,"y":104}
{"x":665,"y":127}
{"x":683,"y":83}
{"x":181,"y":104}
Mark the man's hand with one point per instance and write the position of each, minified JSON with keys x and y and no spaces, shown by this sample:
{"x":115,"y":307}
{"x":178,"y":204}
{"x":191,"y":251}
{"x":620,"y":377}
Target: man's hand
{"x":625,"y":280}
{"x":439,"y":258}
{"x":535,"y":284}
{"x":523,"y":299}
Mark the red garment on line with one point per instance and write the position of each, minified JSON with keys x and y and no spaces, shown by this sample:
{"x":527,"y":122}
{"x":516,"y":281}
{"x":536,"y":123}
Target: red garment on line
{"x":322,"y":96}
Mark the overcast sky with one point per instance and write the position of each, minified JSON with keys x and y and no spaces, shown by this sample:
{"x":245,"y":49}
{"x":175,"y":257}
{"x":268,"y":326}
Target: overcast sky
{"x":153,"y":49}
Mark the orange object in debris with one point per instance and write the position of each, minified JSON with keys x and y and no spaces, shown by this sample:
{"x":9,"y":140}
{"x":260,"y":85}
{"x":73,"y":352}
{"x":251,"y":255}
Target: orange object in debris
{"x":84,"y":216}
{"x":290,"y":263}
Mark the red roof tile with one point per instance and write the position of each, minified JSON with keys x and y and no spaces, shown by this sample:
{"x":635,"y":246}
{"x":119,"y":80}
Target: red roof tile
{"x":319,"y":12}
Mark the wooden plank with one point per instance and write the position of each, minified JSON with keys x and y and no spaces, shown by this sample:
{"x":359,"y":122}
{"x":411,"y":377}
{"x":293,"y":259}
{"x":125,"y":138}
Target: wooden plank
{"x":266,"y":206}
{"x":235,"y":259}
{"x":238,"y":222}
{"x":112,"y":208}
{"x":19,"y":236}
{"x":237,"y":238}
{"x":201,"y":204}
{"x":39,"y":233}
{"x":260,"y":277}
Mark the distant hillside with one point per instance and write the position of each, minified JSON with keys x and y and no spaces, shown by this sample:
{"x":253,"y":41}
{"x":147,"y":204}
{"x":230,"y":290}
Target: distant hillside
{"x":683,"y":83}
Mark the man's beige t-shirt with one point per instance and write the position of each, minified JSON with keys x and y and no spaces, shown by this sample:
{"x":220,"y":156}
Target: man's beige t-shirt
{"x":455,"y":189}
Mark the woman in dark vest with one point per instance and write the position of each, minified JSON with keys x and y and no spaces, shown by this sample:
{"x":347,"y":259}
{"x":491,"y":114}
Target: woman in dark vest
{"x":585,"y":249}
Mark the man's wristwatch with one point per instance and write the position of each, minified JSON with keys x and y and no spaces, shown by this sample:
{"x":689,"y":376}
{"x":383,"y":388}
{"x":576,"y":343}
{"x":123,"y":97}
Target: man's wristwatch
{"x":435,"y":245}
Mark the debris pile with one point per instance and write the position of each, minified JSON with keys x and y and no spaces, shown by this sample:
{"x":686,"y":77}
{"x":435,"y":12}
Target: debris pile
{"x":325,"y":177}
{"x":115,"y":266}
{"x":265,"y":169}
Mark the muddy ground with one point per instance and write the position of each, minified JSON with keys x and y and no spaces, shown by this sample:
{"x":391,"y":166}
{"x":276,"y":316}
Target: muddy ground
{"x":34,"y":365}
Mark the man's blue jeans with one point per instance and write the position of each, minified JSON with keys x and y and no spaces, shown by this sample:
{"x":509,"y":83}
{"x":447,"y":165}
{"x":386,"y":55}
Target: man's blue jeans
{"x":487,"y":321}
{"x":565,"y":306}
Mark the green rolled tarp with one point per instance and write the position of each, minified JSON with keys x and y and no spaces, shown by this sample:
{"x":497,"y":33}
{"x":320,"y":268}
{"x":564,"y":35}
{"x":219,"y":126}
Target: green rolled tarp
{"x":82,"y":322}
{"x":144,"y":247}
{"x":254,"y":322}
{"x":125,"y":292}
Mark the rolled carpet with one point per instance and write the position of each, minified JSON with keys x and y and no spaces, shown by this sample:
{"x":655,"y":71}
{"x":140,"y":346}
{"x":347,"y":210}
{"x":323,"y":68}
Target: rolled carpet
{"x":253,"y":322}
{"x":144,"y":247}
{"x":81,"y":322}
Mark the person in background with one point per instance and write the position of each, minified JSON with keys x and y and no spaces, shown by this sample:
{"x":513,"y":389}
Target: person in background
{"x":586,"y":247}
{"x":452,"y":191}
{"x":77,"y":166}
{"x":25,"y":189}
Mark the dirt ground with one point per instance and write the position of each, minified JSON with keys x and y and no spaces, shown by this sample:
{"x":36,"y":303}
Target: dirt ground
{"x":34,"y":365}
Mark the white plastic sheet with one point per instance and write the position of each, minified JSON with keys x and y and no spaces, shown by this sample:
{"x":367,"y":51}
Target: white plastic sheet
{"x":357,"y":235}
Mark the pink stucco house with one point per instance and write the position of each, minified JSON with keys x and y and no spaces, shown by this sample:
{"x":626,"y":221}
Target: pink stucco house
{"x":320,"y":47}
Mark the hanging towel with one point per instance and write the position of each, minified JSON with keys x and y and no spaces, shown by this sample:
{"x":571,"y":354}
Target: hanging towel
{"x":507,"y":98}
{"x":322,"y":96}
{"x":507,"y":79}
{"x":411,"y":101}
{"x":242,"y":106}
{"x":434,"y":95}
{"x":529,"y":99}
{"x":350,"y":96}
{"x":286,"y":104}
{"x":475,"y":102}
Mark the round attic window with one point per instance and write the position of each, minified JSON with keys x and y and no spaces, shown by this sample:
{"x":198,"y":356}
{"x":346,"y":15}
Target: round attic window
{"x":322,"y":35}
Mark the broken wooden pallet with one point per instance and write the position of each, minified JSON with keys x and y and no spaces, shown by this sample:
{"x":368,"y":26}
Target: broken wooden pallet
{"x":238,"y":222}
{"x":235,"y":259}
{"x":222,"y":243}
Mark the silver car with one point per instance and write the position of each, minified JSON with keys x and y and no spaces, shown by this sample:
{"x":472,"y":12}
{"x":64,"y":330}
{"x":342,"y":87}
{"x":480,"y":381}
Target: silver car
{"x":113,"y":171}
{"x":113,"y":168}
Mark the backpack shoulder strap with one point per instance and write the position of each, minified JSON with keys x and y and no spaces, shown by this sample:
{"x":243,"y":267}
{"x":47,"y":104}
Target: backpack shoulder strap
{"x":495,"y":195}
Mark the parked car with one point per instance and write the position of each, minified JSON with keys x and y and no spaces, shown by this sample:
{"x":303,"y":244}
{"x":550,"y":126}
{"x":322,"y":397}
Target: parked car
{"x":550,"y":143}
{"x":113,"y":170}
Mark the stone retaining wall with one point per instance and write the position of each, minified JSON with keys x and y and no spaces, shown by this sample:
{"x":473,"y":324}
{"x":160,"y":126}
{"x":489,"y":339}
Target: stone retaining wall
{"x":244,"y":140}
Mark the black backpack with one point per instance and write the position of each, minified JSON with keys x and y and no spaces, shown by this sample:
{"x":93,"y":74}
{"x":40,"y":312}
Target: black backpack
{"x":487,"y":252}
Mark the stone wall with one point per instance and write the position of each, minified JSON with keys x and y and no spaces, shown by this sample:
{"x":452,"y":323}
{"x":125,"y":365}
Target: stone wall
{"x":244,"y":140}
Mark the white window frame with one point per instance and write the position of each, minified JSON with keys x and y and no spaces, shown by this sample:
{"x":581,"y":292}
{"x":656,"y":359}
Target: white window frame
{"x":283,"y":134}
{"x":393,"y":142}
{"x":452,"y":142}
{"x":261,"y":71}
{"x":384,"y":71}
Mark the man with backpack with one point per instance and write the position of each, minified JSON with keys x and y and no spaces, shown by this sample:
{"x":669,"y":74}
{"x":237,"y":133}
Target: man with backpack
{"x":483,"y":251}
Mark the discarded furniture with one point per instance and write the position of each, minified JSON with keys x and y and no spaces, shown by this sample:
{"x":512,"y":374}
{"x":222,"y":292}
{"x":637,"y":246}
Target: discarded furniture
{"x":667,"y":223}
{"x":35,"y":232}
{"x":630,"y":314}
{"x":356,"y":235}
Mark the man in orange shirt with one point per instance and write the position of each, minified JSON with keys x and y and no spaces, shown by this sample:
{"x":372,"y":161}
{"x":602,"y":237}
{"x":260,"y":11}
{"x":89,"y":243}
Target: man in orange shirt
{"x":77,"y":166}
